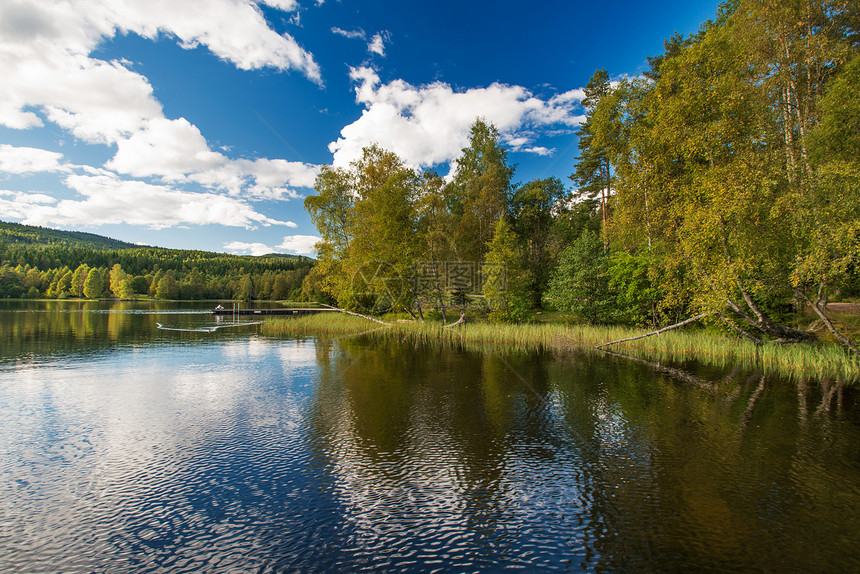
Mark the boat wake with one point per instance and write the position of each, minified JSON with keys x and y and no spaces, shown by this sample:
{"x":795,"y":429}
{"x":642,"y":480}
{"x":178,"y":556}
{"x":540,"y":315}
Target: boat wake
{"x":207,"y":329}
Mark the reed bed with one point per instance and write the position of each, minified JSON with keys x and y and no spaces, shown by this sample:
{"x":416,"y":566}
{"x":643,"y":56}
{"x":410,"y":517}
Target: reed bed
{"x":821,"y":360}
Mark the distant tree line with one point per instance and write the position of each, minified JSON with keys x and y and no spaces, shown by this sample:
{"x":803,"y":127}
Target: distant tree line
{"x":725,"y":181}
{"x":62,"y":271}
{"x":37,"y":235}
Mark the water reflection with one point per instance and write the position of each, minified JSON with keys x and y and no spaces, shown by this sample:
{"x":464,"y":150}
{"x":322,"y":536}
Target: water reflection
{"x":542,"y":462}
{"x":31,"y":332}
{"x":153,"y":452}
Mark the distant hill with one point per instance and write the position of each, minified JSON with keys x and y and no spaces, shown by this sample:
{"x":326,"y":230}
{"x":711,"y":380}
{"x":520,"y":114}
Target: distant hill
{"x":287,"y":256}
{"x":33,"y":236}
{"x":17,"y":234}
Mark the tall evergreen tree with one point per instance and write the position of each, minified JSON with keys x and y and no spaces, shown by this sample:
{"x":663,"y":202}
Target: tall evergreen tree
{"x":480,"y":192}
{"x":593,"y":172}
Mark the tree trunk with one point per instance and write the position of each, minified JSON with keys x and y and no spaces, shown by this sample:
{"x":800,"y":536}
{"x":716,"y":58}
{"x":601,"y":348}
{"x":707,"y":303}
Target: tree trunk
{"x":740,"y":331}
{"x":830,"y":326}
{"x":679,"y":374}
{"x":460,"y":321}
{"x":764,"y":324}
{"x":658,"y":331}
{"x":357,"y":315}
{"x":790,"y":162}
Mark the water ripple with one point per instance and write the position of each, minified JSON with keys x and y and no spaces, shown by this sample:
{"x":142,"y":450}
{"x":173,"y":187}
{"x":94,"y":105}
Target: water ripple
{"x":248,"y":455}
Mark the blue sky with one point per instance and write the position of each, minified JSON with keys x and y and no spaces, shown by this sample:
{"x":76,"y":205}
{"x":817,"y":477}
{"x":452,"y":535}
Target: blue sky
{"x":201,"y":124}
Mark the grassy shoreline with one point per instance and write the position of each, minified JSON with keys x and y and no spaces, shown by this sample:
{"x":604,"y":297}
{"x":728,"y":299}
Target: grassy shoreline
{"x":820,"y":360}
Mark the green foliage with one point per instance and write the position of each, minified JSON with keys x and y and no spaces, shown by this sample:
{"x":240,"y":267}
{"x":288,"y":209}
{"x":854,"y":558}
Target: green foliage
{"x":93,"y":286}
{"x":636,"y":297}
{"x":480,"y":192}
{"x":64,"y":284}
{"x":593,"y":171}
{"x":387,"y":231}
{"x":11,"y":284}
{"x":368,"y":221}
{"x":167,"y":288}
{"x":79,"y":277}
{"x":580,"y":284}
{"x":506,"y":280}
{"x":732,"y":172}
{"x":120,"y":282}
{"x":543,"y":221}
{"x":201,"y":275}
{"x":17,"y":233}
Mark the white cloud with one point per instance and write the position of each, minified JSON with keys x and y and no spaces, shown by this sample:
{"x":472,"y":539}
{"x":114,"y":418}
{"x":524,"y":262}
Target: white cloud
{"x":299,"y":244}
{"x":45,"y":62}
{"x":166,"y":148}
{"x":15,"y":205}
{"x":376,"y":45}
{"x":285,"y":5}
{"x":429,"y":125}
{"x":175,"y":150}
{"x":111,"y":200}
{"x":351,"y":34}
{"x":233,"y":30}
{"x":278,"y":172}
{"x":538,"y":150}
{"x":242,"y":248}
{"x":25,"y":160}
{"x":296,"y":244}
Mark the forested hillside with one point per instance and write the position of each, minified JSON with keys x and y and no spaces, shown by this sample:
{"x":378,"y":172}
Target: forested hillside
{"x":41,"y":262}
{"x":17,"y":233}
{"x":725,"y":181}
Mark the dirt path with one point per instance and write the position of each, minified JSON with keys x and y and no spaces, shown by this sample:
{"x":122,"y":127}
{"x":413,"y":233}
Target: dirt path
{"x":844,"y":307}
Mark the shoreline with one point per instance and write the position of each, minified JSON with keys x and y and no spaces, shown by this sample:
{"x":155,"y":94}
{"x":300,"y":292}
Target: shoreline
{"x":821,"y":361}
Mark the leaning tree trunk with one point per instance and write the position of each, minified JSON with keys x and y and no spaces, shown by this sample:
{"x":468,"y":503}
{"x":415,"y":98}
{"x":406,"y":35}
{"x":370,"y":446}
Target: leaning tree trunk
{"x":765,"y":324}
{"x":816,"y":306}
{"x":658,"y":331}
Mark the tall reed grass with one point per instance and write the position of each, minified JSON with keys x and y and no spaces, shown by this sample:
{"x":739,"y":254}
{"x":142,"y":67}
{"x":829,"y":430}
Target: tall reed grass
{"x":820,"y":360}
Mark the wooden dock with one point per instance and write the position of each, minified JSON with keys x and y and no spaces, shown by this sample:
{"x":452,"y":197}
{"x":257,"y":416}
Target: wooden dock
{"x":260,"y":312}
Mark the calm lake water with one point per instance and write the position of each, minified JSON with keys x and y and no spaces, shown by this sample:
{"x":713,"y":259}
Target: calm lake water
{"x":126,"y":448}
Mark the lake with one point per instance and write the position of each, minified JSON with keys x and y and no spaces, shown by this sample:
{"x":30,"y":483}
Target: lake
{"x":129,"y":448}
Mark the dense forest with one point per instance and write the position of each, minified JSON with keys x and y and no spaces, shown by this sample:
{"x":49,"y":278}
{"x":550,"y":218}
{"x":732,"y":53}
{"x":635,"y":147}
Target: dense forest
{"x":39,"y":262}
{"x":723,"y":182}
{"x":21,"y":234}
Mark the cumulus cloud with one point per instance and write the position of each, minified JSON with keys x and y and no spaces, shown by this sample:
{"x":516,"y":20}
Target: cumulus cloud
{"x":45,"y":57}
{"x":110,"y":200}
{"x":165,"y":148}
{"x":242,"y":248}
{"x":175,"y":151}
{"x":26,"y":160}
{"x":295,"y":244}
{"x":16,"y":205}
{"x":429,"y":125}
{"x":49,"y":75}
{"x":538,"y":150}
{"x":299,"y":244}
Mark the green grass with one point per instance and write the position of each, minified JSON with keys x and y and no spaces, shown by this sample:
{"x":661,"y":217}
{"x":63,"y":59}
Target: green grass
{"x":820,"y":360}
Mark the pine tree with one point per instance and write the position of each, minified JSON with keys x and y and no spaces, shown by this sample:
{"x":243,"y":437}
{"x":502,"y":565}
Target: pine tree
{"x":593,"y":172}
